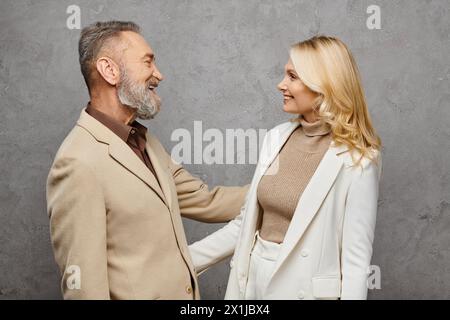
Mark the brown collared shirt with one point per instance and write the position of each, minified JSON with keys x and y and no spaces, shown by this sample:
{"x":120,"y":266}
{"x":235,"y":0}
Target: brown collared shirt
{"x":133,"y":135}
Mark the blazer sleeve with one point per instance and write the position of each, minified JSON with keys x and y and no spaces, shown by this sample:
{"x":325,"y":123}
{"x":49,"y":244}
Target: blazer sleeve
{"x":76,"y":208}
{"x":197,"y":201}
{"x":222,"y":243}
{"x":358,"y":230}
{"x":217,"y":246}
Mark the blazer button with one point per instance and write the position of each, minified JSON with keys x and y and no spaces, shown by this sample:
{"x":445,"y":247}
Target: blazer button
{"x":304,"y":253}
{"x":301,"y":295}
{"x":189,"y":289}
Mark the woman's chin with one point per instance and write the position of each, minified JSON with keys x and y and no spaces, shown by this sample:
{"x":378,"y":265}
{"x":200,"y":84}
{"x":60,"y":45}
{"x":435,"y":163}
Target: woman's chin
{"x":289,"y":109}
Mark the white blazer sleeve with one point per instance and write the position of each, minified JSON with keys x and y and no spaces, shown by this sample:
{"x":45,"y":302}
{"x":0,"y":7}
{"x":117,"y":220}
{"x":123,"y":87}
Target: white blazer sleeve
{"x":217,"y":246}
{"x":358,"y":230}
{"x":222,"y":243}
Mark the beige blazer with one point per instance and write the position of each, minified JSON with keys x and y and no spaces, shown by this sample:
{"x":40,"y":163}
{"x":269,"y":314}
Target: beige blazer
{"x":116,"y":233}
{"x":327,"y":249}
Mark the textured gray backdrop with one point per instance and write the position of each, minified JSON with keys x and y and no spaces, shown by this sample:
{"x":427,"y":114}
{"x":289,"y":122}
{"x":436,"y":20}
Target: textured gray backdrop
{"x":222,"y":61}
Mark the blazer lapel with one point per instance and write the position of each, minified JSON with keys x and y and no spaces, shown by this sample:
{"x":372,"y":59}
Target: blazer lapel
{"x":274,"y":142}
{"x":311,"y":200}
{"x":160,"y":172}
{"x":121,"y":152}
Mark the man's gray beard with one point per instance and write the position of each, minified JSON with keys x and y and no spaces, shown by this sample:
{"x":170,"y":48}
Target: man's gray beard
{"x":137,"y":97}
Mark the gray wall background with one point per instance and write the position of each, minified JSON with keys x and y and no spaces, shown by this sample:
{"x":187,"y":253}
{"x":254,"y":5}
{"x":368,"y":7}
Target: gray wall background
{"x":222,"y":61}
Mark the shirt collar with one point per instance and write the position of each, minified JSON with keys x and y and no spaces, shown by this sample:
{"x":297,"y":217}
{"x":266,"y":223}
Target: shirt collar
{"x":120,"y":129}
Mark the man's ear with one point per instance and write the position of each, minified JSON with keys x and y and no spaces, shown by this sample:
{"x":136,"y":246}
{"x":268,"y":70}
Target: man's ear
{"x":108,"y":70}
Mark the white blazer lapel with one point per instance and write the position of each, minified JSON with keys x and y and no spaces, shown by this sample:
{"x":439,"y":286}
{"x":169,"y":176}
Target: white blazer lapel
{"x":275,"y":140}
{"x":311,"y":199}
{"x":273,"y":143}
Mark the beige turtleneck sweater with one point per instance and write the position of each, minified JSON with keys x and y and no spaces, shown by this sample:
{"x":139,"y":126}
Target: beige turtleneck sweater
{"x":279,"y":193}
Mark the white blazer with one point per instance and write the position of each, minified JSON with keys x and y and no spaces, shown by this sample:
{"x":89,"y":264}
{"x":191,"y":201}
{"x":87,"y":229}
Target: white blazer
{"x":327,"y":248}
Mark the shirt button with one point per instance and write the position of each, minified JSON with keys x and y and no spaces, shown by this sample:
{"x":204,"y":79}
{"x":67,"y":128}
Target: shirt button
{"x":304,"y":253}
{"x":189,"y":289}
{"x":133,"y":131}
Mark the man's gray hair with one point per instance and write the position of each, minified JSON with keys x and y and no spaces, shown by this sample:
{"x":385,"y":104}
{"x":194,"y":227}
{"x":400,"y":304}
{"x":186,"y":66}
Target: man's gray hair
{"x":94,"y":37}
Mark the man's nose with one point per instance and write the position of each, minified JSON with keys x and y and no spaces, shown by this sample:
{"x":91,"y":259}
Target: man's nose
{"x":158,"y":74}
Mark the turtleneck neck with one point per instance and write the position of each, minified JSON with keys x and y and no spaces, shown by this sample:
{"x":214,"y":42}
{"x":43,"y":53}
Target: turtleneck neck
{"x":317,"y":128}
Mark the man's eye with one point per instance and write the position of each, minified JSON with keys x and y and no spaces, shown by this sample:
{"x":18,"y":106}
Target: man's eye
{"x":291,"y":76}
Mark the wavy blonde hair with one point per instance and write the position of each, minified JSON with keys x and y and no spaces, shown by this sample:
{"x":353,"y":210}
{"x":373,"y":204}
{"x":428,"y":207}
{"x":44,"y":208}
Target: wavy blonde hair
{"x":327,"y":67}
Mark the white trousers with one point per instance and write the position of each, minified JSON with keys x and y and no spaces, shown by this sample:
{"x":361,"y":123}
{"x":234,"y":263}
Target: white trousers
{"x":262,"y":263}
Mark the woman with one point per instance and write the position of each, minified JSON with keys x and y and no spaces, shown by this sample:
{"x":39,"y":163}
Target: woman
{"x":307,"y":227}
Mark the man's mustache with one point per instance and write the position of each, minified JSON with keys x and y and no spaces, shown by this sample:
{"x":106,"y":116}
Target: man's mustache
{"x":153,"y":83}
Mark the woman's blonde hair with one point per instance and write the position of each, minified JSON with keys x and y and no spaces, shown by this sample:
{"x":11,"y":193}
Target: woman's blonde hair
{"x":326,"y":66}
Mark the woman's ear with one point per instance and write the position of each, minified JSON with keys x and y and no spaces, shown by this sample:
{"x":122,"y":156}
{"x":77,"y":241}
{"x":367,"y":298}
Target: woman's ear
{"x":108,"y":70}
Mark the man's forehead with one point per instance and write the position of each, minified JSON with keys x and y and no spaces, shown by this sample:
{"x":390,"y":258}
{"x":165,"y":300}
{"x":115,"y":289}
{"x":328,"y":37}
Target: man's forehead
{"x":137,"y":43}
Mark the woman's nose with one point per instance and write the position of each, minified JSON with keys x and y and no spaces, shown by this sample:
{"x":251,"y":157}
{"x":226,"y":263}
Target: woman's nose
{"x":281,"y":86}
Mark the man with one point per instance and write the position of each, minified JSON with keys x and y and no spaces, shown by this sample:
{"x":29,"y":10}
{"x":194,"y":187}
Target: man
{"x":114,"y":196}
